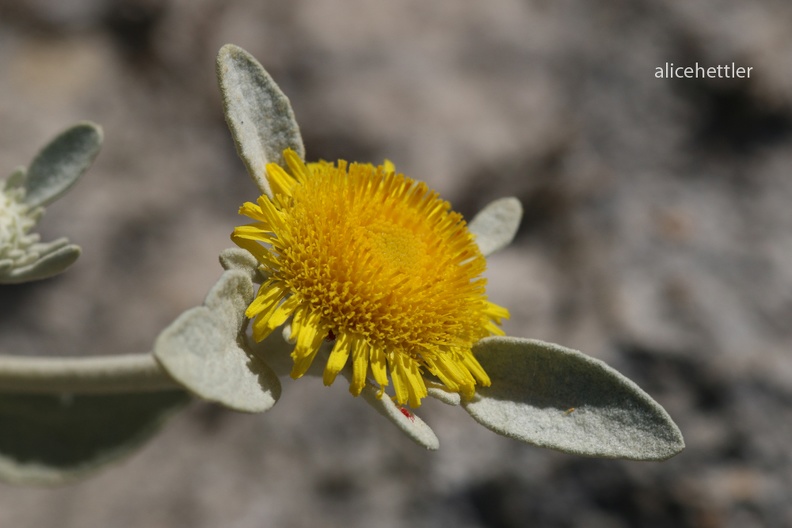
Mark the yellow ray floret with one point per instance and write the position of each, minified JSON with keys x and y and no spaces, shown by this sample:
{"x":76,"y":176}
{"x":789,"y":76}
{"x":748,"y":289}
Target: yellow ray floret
{"x":376,"y":262}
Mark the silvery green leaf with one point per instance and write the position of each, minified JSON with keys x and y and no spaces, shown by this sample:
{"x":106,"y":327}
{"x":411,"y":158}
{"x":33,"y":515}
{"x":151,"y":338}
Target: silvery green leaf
{"x":410,"y":424}
{"x":240,"y":259}
{"x":58,"y":166}
{"x":257,"y":112}
{"x":52,"y":439}
{"x":45,"y":248}
{"x":229,"y":298}
{"x":550,"y":396}
{"x":496,"y":224}
{"x":204,"y":350}
{"x":50,"y":263}
{"x":440,"y":392}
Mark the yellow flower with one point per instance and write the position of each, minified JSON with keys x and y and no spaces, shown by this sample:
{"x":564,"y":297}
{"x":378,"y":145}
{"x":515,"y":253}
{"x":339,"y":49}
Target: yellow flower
{"x":376,"y":262}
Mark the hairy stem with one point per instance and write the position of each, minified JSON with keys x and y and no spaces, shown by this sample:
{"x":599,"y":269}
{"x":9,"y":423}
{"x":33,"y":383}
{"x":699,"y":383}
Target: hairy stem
{"x":104,"y":374}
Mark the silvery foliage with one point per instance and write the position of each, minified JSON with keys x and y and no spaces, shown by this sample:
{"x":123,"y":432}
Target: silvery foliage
{"x":68,"y":417}
{"x":24,"y":195}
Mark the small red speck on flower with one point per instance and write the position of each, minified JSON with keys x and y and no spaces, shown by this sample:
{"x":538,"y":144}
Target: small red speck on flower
{"x":407,"y":413}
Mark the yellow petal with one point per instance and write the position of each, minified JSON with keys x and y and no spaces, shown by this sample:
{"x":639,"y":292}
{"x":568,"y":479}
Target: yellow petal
{"x":298,"y":168}
{"x":279,"y":180}
{"x":439,"y":370}
{"x":360,"y":352}
{"x":255,"y":249}
{"x":269,"y":295}
{"x":475,"y":368}
{"x":400,"y":383}
{"x":338,"y":358}
{"x":308,"y":342}
{"x":498,"y":313}
{"x":253,"y":211}
{"x":415,"y":382}
{"x":379,"y":368}
{"x":263,"y":327}
{"x":256,"y":232}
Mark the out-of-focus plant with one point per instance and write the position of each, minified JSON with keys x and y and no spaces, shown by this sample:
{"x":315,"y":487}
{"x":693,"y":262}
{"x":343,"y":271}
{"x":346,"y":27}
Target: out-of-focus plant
{"x":362,"y":272}
{"x":23,"y":197}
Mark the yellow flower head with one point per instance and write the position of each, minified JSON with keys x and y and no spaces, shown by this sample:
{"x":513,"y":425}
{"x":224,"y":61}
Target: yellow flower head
{"x":377,"y":262}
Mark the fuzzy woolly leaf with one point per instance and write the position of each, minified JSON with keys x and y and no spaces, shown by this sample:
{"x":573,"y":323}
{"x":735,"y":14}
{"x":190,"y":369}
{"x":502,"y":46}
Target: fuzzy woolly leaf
{"x":58,"y":166}
{"x":410,"y":424}
{"x":241,"y":259}
{"x":56,"y":257}
{"x":496,"y":224}
{"x":440,"y":392}
{"x":258,"y":114}
{"x":203,"y":350}
{"x":52,"y":439}
{"x":550,"y":396}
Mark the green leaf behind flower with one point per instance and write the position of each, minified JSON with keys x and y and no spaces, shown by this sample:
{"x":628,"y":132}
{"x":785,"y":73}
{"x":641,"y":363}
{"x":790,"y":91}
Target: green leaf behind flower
{"x":496,"y":224}
{"x":257,"y":112}
{"x":52,"y":439}
{"x":550,"y":396}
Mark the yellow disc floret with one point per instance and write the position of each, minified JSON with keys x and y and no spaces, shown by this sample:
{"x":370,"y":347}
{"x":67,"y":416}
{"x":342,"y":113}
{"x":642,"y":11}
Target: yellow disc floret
{"x":376,"y":261}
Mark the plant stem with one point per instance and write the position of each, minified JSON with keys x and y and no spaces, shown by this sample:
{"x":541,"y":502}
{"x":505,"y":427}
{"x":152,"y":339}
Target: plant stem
{"x":103,"y":374}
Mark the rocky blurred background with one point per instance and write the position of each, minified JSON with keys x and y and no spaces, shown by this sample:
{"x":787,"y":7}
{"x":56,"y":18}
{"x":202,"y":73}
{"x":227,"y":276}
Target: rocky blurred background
{"x":657,"y":237}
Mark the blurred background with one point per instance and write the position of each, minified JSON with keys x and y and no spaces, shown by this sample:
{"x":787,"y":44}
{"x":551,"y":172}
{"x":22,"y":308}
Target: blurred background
{"x":657,"y":236}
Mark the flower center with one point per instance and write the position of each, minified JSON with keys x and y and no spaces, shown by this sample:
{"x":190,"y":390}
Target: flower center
{"x":397,"y":247}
